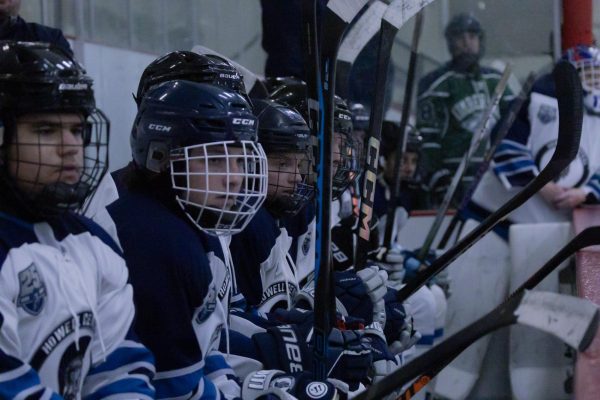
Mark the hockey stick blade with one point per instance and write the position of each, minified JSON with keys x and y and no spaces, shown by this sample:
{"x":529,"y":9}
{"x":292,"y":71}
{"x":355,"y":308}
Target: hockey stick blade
{"x":588,"y":237}
{"x":561,"y":312}
{"x":570,"y":108}
{"x":570,"y":319}
{"x":354,"y":42}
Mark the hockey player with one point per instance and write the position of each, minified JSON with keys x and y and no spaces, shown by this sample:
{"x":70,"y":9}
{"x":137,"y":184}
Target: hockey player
{"x":451,"y":101}
{"x":197,"y":173}
{"x":66,"y":308}
{"x":544,"y":218}
{"x":185,"y":65}
{"x":265,"y":273}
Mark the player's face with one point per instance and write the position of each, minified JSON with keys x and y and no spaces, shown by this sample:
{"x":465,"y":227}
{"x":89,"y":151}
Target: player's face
{"x":285,"y":173}
{"x":217,"y":178}
{"x":46,"y":149}
{"x":409,"y":165}
{"x":466,"y":43}
{"x":9,"y":7}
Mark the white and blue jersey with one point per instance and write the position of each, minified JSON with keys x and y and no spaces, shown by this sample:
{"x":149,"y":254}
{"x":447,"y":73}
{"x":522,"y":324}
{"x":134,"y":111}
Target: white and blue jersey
{"x":181,"y":305}
{"x":264,"y":269}
{"x":66,"y":312}
{"x":527,"y":148}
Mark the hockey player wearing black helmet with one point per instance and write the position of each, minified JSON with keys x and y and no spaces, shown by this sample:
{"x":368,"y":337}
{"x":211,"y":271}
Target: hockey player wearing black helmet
{"x":450,"y":104}
{"x":44,"y":169}
{"x":266,"y":274}
{"x":190,"y":66}
{"x":62,"y":276}
{"x":345,"y":152}
{"x":465,"y":39}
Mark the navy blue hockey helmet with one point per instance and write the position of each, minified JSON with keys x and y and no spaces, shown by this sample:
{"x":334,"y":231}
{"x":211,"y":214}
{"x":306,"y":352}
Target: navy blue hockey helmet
{"x":284,"y":135}
{"x":345,"y":151}
{"x":206,"y":138}
{"x":41,"y":83}
{"x":187,"y":65}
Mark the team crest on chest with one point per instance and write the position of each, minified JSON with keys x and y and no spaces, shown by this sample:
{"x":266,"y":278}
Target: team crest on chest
{"x":306,"y":244}
{"x":32,"y":290}
{"x":546,"y":114}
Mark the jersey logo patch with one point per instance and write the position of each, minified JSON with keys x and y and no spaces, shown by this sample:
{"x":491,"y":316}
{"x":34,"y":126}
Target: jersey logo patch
{"x":208,"y":305}
{"x":546,"y":114}
{"x":32,"y":290}
{"x":306,"y":244}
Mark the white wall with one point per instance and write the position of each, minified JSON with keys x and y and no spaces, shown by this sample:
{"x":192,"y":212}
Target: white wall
{"x":116,"y":74}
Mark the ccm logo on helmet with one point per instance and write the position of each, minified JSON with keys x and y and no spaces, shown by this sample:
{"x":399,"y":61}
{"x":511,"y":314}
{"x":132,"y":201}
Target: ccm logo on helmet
{"x":243,"y":121}
{"x":159,"y":128}
{"x":344,"y":116}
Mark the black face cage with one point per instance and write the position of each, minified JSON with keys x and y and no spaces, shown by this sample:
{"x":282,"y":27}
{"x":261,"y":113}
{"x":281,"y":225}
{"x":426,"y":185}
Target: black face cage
{"x":346,"y":163}
{"x":291,"y":181}
{"x":51,"y":175}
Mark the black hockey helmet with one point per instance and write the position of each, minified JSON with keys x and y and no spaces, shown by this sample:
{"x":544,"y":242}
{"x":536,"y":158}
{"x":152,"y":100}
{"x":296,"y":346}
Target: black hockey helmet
{"x":39,"y":78}
{"x":274,"y":83}
{"x":182,"y":126}
{"x":346,"y":157}
{"x":461,"y":23}
{"x":187,"y":65}
{"x":390,"y":133}
{"x":284,"y":135}
{"x":360,"y":117}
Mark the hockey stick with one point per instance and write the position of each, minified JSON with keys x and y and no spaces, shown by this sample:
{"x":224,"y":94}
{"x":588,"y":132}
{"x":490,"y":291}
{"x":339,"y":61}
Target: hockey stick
{"x":482,"y":133}
{"x":587,"y":237}
{"x":572,"y":320}
{"x":569,"y":96}
{"x":401,"y":143}
{"x":254,"y":85}
{"x":396,"y":15}
{"x":359,"y":34}
{"x":505,"y":123}
{"x":338,"y":15}
{"x":315,"y":107}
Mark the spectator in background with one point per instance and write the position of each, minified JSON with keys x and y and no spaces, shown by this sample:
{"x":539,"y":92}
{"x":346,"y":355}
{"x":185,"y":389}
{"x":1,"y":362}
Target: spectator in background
{"x":451,"y":103}
{"x":13,"y":27}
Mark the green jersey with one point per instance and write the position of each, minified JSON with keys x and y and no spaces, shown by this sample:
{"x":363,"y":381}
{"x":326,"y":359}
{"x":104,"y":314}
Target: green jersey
{"x":450,"y":107}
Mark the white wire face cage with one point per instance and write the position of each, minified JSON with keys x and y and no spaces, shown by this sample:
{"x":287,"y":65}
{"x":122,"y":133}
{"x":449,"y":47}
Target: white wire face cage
{"x":220,"y":185}
{"x":57,"y":159}
{"x":589,"y":73}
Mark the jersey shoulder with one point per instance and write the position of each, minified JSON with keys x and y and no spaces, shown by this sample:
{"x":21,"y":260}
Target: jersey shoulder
{"x":434,"y":79}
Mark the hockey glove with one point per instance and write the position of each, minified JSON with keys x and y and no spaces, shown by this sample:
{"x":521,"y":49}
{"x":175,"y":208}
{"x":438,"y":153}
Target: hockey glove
{"x":287,"y":348}
{"x":362,"y":293}
{"x":273,"y":384}
{"x":384,"y":362}
{"x":399,"y":332}
{"x":391,"y":261}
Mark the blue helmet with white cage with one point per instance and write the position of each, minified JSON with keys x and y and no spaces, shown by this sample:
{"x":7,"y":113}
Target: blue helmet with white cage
{"x":205,"y":138}
{"x":587,"y":61}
